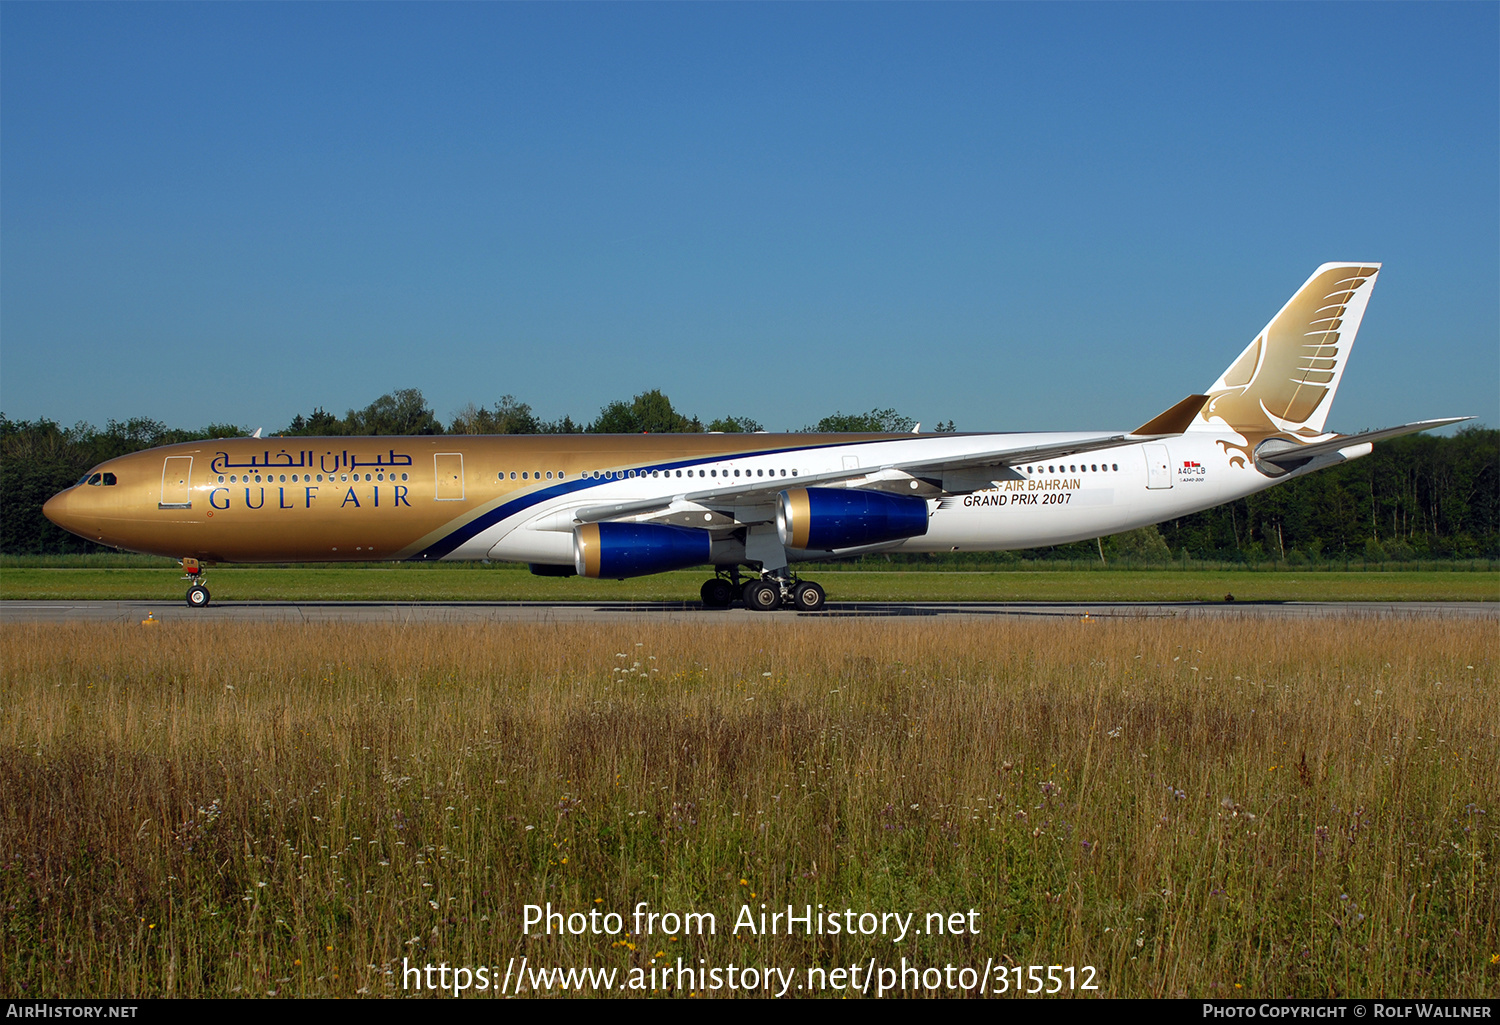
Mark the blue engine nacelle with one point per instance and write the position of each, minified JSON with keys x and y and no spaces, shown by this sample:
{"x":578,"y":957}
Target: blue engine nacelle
{"x":829,"y":518}
{"x":618,"y":550}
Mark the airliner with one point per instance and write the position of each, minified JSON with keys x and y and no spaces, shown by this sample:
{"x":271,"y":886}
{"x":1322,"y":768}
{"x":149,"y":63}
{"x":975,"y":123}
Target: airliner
{"x":751,"y":506}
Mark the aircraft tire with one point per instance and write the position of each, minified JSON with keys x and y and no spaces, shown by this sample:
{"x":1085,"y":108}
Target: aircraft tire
{"x":809,"y":597}
{"x":197,"y":596}
{"x":716,"y":593}
{"x":763,"y":596}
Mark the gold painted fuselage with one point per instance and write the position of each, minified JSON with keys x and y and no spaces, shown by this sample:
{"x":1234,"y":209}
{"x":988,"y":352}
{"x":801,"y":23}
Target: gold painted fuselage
{"x":360,"y":499}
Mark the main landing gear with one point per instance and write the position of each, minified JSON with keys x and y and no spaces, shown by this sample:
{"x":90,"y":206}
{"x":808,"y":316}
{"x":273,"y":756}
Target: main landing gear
{"x":764,"y":594}
{"x":808,"y":597}
{"x":197,"y":594}
{"x":717,"y":593}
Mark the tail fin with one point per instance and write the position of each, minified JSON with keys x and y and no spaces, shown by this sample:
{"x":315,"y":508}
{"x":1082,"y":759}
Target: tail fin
{"x":1283,"y":383}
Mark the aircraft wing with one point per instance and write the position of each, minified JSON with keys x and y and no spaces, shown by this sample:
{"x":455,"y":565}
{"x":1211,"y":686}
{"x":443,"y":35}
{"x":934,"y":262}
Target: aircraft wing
{"x":976,"y":471}
{"x":747,"y":493}
{"x":972,"y":471}
{"x":1006,"y":457}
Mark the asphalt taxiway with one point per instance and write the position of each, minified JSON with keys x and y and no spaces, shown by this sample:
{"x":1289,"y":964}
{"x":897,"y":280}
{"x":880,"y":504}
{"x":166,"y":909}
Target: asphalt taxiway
{"x":16,"y":612}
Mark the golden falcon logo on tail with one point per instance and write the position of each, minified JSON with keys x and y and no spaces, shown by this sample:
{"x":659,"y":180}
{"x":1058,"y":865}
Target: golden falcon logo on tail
{"x":1284,"y":381}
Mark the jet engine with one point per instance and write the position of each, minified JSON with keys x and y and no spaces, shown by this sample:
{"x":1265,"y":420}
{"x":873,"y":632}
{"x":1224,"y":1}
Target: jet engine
{"x":617,"y":550}
{"x":829,"y":518}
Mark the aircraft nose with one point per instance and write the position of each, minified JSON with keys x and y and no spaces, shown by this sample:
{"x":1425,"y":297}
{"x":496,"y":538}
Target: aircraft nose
{"x":56,"y":509}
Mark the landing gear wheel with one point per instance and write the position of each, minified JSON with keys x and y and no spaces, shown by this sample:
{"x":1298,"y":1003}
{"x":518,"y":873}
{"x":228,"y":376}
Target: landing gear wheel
{"x":716,"y":593}
{"x":197,"y":596}
{"x":762,"y":595}
{"x":809,"y":597}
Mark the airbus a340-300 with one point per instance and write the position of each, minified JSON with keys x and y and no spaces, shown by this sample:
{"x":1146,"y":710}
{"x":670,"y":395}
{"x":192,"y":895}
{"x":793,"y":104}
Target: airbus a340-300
{"x":626,"y":505}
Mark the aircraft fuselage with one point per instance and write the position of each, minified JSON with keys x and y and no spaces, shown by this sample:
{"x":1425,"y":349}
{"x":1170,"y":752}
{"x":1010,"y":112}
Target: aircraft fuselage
{"x":507,"y":497}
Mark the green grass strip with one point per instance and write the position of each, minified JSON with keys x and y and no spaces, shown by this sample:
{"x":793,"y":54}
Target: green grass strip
{"x":459,"y":583}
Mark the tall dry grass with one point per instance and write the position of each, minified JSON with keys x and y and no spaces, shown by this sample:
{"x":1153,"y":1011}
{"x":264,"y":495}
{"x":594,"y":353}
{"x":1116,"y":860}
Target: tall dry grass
{"x":1247,"y":807}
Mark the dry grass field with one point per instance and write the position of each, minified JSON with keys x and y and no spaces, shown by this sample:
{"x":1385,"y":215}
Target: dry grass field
{"x":1252,"y":807}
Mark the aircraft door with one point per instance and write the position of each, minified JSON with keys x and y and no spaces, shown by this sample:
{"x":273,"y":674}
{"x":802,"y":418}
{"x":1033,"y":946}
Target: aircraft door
{"x":449,"y":469}
{"x":1158,"y":466}
{"x":176,"y":491}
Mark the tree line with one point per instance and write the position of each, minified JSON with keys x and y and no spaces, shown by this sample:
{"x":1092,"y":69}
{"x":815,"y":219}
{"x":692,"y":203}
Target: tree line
{"x":1418,"y":497}
{"x":406,"y":412}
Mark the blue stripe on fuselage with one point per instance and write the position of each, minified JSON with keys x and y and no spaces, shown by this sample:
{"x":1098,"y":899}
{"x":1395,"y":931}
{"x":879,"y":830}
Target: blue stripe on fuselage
{"x":468,"y":531}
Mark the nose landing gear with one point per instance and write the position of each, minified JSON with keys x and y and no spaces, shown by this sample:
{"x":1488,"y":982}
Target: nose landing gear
{"x":197,"y":593}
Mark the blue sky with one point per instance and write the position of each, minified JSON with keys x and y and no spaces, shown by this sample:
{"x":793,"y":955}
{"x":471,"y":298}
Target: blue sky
{"x":1059,"y":216}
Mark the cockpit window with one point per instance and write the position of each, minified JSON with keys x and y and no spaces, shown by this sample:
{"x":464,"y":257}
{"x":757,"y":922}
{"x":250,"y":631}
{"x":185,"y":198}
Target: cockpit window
{"x":97,"y":478}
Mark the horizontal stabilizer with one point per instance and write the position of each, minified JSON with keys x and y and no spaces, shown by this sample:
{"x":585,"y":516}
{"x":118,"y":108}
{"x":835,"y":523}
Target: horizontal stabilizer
{"x":1290,"y":454}
{"x":1174,"y":420}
